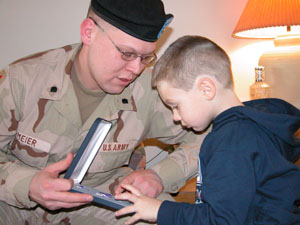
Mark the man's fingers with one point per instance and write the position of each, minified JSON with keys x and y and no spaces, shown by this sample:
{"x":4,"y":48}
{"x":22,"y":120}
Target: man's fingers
{"x":54,"y":205}
{"x":70,"y":197}
{"x":59,"y":185}
{"x":56,"y":200}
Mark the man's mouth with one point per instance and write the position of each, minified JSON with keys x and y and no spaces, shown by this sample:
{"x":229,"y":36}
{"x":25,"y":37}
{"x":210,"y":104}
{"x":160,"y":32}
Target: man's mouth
{"x":125,"y":81}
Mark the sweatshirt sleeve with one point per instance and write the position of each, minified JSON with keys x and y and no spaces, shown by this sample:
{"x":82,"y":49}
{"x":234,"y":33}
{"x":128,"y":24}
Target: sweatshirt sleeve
{"x":227,"y":191}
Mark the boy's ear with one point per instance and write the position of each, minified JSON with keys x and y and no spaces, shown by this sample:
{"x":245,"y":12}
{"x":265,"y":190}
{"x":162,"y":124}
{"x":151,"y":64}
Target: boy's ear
{"x":206,"y":87}
{"x":86,"y":29}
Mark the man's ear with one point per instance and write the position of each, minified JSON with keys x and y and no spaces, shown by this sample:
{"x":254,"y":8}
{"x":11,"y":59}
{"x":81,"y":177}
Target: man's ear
{"x":86,"y":29}
{"x":206,"y":87}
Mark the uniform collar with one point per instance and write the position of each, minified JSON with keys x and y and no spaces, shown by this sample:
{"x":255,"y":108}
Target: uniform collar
{"x":57,"y":86}
{"x":59,"y":89}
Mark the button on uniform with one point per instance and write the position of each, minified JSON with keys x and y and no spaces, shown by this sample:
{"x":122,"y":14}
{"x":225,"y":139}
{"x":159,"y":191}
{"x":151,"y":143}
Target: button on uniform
{"x":53,"y":89}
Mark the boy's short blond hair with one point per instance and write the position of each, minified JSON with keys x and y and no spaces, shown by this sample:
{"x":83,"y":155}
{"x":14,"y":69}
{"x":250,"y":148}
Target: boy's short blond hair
{"x":187,"y":58}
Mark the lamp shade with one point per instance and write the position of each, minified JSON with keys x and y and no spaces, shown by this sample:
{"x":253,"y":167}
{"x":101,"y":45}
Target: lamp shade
{"x":268,"y":18}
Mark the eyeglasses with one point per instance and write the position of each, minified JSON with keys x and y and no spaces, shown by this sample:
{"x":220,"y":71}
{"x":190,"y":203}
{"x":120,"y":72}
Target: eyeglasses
{"x":128,"y":56}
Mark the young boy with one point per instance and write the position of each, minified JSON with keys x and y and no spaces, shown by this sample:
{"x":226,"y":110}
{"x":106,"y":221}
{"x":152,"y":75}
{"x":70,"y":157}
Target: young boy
{"x":246,"y":174}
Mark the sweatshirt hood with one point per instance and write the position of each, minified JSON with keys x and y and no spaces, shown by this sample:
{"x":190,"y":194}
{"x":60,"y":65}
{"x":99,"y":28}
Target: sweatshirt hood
{"x":278,"y":117}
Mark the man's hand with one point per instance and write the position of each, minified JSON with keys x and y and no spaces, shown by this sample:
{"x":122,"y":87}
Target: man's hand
{"x":52,"y":192}
{"x":147,"y":181}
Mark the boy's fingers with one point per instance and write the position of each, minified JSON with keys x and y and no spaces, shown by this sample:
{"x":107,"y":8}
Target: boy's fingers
{"x":125,"y":210}
{"x":132,"y":189}
{"x":126,"y":196}
{"x":133,"y":219}
{"x":120,"y":188}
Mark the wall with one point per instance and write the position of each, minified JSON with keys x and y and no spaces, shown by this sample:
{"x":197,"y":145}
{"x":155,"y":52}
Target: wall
{"x":36,"y":25}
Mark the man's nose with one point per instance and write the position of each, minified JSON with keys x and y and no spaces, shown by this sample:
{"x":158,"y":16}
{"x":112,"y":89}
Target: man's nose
{"x":135,"y":66}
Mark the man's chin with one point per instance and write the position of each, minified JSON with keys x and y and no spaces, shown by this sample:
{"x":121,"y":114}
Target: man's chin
{"x":115,"y":91}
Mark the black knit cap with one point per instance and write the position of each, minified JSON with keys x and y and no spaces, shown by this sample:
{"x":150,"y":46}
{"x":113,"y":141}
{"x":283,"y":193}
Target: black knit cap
{"x":143,"y":19}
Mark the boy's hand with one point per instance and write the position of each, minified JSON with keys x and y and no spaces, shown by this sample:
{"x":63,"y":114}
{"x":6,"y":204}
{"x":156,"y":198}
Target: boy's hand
{"x":145,"y":208}
{"x":147,"y":181}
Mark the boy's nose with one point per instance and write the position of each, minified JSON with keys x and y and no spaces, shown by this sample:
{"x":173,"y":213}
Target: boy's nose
{"x":176,"y":116}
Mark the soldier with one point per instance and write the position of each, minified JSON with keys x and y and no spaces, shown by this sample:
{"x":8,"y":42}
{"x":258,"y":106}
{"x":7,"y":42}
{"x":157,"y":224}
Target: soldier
{"x":48,"y":102}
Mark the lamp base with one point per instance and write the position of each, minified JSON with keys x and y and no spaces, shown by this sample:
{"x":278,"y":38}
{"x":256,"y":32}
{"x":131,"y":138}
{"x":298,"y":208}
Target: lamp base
{"x":282,"y":73}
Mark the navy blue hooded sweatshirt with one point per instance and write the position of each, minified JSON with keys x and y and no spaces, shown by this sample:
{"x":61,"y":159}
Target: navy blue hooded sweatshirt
{"x":246,"y":169}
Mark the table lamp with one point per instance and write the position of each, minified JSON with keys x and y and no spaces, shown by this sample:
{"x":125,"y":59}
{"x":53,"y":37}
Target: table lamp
{"x":277,"y":20}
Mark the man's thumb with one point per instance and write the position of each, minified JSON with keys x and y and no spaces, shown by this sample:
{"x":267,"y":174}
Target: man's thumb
{"x":61,"y":165}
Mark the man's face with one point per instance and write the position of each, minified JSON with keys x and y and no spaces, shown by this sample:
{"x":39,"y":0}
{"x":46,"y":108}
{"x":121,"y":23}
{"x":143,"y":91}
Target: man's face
{"x":107,"y":70}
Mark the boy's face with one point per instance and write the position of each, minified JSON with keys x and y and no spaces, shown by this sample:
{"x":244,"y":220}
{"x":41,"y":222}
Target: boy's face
{"x":191,"y":108}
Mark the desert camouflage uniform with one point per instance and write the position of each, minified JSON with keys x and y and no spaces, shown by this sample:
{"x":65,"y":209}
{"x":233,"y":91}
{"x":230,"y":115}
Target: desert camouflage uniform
{"x":40,"y":123}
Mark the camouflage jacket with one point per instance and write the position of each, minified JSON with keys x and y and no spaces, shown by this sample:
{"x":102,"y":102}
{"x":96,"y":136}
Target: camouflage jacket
{"x":40,"y":123}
